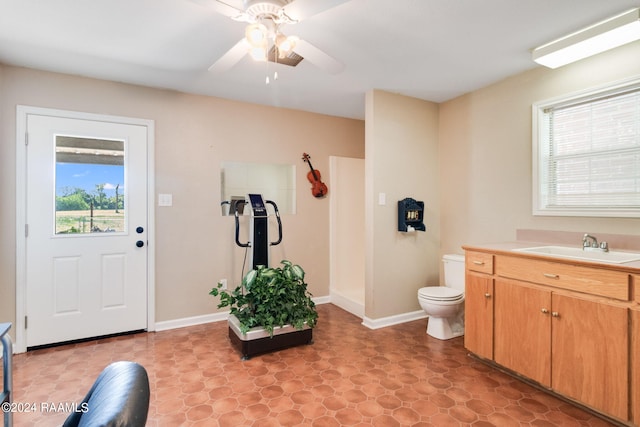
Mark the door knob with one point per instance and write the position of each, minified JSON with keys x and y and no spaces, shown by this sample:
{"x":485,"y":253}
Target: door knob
{"x":139,"y":243}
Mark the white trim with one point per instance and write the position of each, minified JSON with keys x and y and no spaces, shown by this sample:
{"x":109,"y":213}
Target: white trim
{"x":393,"y":320}
{"x":22,"y":111}
{"x":151,"y":225}
{"x":184,"y":322}
{"x":322,"y":300}
{"x":537,"y":113}
{"x":369,"y":323}
{"x":191,"y":321}
{"x":347,"y":304}
{"x":21,"y":216}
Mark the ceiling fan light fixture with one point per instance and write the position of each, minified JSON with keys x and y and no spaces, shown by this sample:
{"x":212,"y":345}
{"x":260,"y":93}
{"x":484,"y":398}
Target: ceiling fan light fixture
{"x":258,"y":53}
{"x":608,"y":34}
{"x":256,"y":35}
{"x":285,"y":45}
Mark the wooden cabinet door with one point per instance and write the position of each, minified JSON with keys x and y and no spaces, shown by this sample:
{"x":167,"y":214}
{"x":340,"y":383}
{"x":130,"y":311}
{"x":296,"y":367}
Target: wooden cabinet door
{"x":478,"y":314}
{"x":522,"y":329}
{"x":590,"y":355}
{"x":635,"y":363}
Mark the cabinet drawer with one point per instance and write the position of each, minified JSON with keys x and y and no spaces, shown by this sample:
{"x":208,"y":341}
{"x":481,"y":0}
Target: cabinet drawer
{"x":594,"y":281}
{"x":479,"y":261}
{"x":635,"y":290}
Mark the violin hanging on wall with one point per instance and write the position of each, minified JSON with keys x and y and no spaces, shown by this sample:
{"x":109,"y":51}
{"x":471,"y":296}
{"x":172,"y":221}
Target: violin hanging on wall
{"x":318,"y":188}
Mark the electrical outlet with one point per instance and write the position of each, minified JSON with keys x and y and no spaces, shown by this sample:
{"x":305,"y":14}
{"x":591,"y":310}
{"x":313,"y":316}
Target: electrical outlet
{"x":224,"y":283}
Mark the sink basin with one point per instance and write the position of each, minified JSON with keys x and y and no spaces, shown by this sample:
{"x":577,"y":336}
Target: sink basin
{"x":613,"y":257}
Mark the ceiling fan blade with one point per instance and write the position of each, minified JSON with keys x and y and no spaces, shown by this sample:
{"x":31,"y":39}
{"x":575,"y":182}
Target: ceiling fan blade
{"x":231,"y":58}
{"x":318,"y":57}
{"x":303,"y":9}
{"x":222,"y":8}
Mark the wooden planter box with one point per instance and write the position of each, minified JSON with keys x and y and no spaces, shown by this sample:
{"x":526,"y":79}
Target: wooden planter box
{"x":258,"y":341}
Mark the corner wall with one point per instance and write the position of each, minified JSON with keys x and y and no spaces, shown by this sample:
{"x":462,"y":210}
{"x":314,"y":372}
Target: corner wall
{"x":401,"y":160}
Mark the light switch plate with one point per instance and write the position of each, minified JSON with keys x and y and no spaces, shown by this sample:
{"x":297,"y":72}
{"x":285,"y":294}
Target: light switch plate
{"x":165,"y":200}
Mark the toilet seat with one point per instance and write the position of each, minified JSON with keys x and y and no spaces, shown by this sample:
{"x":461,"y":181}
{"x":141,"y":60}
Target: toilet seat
{"x":440,"y":293}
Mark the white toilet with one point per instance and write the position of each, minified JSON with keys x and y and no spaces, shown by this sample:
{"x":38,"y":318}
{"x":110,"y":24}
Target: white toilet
{"x":445,"y":304}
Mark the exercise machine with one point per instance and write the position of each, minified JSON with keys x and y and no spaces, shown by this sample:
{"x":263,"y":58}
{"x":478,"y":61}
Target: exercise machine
{"x":258,"y":227}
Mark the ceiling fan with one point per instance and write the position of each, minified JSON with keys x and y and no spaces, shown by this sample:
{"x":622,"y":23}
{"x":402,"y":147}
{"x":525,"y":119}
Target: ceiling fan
{"x":264,"y":39}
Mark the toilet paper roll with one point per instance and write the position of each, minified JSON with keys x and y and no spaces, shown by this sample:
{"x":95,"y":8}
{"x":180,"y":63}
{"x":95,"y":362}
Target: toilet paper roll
{"x":410,"y":229}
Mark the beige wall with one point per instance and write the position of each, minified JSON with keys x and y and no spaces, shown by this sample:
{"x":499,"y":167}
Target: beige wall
{"x":468,"y":159}
{"x":485,"y":153}
{"x":401,"y":160}
{"x":194,"y":244}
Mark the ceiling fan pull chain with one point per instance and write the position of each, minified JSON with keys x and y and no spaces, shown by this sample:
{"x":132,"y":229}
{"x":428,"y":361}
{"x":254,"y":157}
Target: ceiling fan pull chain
{"x":276,"y":54}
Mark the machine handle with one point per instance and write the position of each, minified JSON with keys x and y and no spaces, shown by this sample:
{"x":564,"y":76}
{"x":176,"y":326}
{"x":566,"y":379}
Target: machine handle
{"x":235,"y":212}
{"x":225,"y":202}
{"x":275,"y":208}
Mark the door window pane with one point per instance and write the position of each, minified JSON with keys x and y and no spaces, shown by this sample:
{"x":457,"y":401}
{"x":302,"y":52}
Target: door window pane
{"x":89,"y":186}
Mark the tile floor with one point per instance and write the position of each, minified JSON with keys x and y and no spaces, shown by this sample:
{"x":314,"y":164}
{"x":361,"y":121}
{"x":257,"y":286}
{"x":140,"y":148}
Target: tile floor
{"x":396,"y":376}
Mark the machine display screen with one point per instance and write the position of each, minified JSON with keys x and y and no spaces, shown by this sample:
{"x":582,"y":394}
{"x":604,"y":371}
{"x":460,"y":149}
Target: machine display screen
{"x":257,"y":204}
{"x":256,"y":201}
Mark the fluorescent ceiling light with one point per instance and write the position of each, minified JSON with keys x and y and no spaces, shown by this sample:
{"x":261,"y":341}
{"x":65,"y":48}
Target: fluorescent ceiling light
{"x":605,"y":35}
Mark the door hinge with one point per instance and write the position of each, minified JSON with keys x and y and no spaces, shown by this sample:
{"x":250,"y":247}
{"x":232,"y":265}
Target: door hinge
{"x":26,"y":230}
{"x":26,"y":138}
{"x":25,"y":322}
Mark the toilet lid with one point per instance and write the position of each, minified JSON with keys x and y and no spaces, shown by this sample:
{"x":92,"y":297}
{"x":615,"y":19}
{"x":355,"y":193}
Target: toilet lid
{"x":440,"y":293}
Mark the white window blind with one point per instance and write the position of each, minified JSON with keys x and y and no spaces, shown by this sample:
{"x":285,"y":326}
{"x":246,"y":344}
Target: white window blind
{"x":588,"y":154}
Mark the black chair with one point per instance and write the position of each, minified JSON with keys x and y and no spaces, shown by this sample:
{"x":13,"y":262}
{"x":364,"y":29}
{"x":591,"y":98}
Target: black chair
{"x":118,"y":398}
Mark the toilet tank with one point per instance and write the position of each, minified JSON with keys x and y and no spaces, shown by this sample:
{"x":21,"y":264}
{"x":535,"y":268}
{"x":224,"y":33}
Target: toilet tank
{"x":454,"y":271}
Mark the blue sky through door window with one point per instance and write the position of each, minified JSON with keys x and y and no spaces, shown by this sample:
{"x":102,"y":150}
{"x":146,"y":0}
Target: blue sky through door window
{"x":89,"y":186}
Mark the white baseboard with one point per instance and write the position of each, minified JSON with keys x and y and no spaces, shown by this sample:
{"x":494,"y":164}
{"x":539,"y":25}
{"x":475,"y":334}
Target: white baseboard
{"x":369,"y":323}
{"x":210,"y":318}
{"x":347,"y":304}
{"x":393,"y":320}
{"x":322,"y":300}
{"x":191,"y":321}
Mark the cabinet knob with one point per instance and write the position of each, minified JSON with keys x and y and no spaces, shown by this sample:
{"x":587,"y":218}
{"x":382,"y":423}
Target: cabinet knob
{"x":487,"y":295}
{"x":555,"y":314}
{"x":545,"y":311}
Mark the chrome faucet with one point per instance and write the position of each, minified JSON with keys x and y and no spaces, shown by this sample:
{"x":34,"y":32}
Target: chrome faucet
{"x":590,"y":243}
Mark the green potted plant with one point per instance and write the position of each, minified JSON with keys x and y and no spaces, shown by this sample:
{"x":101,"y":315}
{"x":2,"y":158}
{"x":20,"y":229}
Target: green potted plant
{"x":270,"y":310}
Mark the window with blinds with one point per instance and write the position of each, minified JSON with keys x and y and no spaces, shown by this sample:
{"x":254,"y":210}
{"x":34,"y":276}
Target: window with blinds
{"x":587,"y":154}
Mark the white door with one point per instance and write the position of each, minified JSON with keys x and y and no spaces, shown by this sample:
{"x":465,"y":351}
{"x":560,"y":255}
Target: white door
{"x":86,"y":234}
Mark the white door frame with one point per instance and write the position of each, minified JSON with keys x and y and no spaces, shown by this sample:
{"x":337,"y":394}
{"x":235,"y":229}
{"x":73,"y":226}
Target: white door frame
{"x":22,"y":112}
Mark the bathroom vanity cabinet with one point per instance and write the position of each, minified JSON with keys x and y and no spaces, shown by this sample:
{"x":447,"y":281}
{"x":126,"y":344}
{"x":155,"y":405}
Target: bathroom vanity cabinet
{"x":522,"y":330}
{"x":478,"y":306}
{"x":563,"y":325}
{"x":635,"y":359}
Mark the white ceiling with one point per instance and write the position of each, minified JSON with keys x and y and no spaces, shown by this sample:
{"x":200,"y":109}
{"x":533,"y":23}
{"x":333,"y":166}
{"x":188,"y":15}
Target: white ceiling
{"x":429,"y":49}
